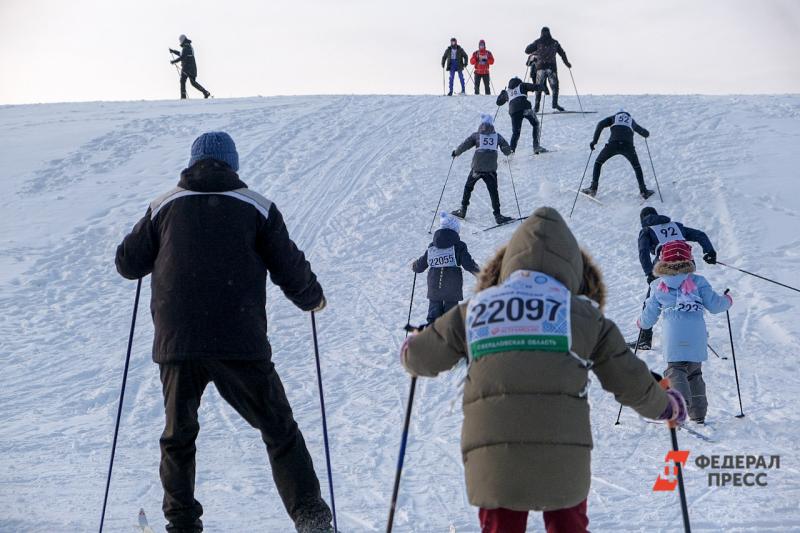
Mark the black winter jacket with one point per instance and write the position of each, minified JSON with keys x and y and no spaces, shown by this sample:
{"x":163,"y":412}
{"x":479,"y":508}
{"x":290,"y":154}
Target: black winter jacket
{"x":520,"y":103}
{"x":619,"y":133}
{"x":461,"y":57}
{"x":209,"y":244}
{"x":485,"y":158}
{"x":188,"y":65}
{"x":445,"y":284}
{"x":649,"y":243}
{"x":546,"y":49}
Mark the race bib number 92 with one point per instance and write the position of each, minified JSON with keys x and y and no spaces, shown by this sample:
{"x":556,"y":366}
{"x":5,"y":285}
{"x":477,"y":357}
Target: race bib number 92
{"x":529,"y":312}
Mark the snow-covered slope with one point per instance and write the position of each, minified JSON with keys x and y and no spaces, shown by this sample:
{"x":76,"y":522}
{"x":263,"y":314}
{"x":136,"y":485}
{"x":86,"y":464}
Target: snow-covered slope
{"x":357,"y":179}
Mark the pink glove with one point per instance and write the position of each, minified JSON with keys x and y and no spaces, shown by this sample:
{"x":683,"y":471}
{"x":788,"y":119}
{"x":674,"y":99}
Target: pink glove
{"x":676,"y":408}
{"x":730,"y":298}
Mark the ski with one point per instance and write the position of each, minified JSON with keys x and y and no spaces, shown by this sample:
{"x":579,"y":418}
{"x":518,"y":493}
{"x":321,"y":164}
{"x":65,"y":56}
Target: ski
{"x":568,"y":113}
{"x":592,"y":198}
{"x":503,"y":224}
{"x":696,"y":433}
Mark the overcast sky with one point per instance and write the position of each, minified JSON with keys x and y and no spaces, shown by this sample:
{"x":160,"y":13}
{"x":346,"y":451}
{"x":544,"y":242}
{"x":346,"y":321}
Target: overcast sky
{"x":74,"y":50}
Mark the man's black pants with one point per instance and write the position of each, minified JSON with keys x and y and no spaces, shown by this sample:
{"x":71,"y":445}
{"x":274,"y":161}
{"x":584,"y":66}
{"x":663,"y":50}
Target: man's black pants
{"x":194,"y":83}
{"x":516,"y":126}
{"x":625,"y":149}
{"x":255,"y":391}
{"x":490,"y":179}
{"x":485,"y":78}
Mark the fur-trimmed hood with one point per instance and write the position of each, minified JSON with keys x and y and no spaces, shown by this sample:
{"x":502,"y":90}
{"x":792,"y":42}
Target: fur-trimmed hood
{"x":664,"y":268}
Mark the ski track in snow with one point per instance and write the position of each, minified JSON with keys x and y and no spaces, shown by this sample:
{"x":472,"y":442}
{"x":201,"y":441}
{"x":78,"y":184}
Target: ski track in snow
{"x":356,"y":178}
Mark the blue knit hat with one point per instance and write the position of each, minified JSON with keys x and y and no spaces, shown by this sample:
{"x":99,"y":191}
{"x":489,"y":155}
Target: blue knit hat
{"x":215,"y":145}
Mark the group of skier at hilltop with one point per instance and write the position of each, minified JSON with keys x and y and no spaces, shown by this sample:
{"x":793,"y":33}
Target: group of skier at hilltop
{"x":530,"y":335}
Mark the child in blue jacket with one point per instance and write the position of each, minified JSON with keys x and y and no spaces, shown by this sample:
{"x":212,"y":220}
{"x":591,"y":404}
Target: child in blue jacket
{"x":683,"y":297}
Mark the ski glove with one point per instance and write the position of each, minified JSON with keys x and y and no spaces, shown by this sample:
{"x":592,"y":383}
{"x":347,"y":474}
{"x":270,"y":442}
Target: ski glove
{"x":320,"y":306}
{"x":676,"y":408}
{"x":591,"y":145}
{"x":453,"y":154}
{"x":568,"y":64}
{"x":710,"y":258}
{"x":650,"y":278}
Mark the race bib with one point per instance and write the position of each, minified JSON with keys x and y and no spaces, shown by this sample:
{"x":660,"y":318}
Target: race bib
{"x":667,"y":232}
{"x":623,"y":119}
{"x":441,"y":257}
{"x":688,"y":303}
{"x":487,"y":142}
{"x":516,"y":92}
{"x":529,"y":312}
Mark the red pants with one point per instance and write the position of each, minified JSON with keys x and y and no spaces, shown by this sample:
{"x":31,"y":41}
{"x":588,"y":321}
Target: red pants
{"x":570,"y":520}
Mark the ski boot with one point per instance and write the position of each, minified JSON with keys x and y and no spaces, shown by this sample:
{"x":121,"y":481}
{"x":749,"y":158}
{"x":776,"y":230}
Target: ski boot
{"x":539,"y":150}
{"x":589,"y":191}
{"x":450,"y":93}
{"x":699,"y":421}
{"x":646,"y":193}
{"x":206,"y":95}
{"x":461,"y":212}
{"x":644,"y":344}
{"x":502,"y":219}
{"x":557,"y":107}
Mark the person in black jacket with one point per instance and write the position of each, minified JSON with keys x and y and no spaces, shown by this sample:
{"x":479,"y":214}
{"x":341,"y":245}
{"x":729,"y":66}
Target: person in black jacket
{"x":656,"y":231}
{"x":188,"y":66}
{"x":455,"y":59}
{"x":444,"y":259}
{"x":620,"y":143}
{"x":486,"y":142}
{"x":519,"y":107}
{"x":209,"y":244}
{"x":544,"y":50}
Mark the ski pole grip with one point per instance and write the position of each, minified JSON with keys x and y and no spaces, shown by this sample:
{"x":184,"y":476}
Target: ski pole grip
{"x":726,"y":291}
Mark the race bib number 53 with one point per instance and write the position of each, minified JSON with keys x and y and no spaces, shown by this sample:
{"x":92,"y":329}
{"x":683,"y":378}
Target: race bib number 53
{"x":529,"y":312}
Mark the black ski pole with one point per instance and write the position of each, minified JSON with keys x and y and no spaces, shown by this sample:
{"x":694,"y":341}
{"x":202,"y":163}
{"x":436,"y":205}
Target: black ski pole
{"x":757,"y":276}
{"x":470,"y":76}
{"x":654,"y":170}
{"x":121,"y":398}
{"x":444,"y":91}
{"x":581,"y":184}
{"x":541,"y":116}
{"x":406,"y":422}
{"x":635,"y":351}
{"x":510,"y":175}
{"x":733,"y":355}
{"x":576,"y":89}
{"x":324,"y":420}
{"x":436,"y":211}
{"x":715,"y":352}
{"x":687,"y":527}
{"x":492,"y":84}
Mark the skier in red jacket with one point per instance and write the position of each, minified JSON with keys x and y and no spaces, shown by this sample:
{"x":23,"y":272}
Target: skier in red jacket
{"x":482,"y":58}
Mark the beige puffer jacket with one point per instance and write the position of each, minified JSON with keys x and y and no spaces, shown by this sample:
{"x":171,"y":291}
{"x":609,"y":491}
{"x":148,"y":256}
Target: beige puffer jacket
{"x":526,"y":440}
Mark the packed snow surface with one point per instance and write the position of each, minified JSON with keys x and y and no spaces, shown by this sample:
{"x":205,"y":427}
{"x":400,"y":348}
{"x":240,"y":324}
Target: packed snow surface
{"x":357,"y":179}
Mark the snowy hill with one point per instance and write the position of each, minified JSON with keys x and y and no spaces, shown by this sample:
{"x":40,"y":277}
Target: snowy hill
{"x":357,"y":179}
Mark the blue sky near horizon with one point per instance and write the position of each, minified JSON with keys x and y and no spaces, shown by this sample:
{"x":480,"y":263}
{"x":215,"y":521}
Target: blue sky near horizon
{"x":78,"y":50}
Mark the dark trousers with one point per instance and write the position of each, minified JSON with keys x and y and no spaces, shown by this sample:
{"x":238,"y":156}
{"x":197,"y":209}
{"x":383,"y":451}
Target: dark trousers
{"x":485,"y":78}
{"x":516,"y":127}
{"x":490,"y":179}
{"x":687,"y":378}
{"x":550,"y":76}
{"x":255,"y":391}
{"x":647,"y":334}
{"x":437,"y":308}
{"x":194,"y":83}
{"x":625,"y":149}
{"x":570,"y":520}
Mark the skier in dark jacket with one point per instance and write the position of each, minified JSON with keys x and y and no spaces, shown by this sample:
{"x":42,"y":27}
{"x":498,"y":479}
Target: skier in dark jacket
{"x":657,"y":230}
{"x":620,"y":143}
{"x":455,"y":60}
{"x":545,"y":49}
{"x":519,"y":107}
{"x":188,"y":66}
{"x":209,"y":244}
{"x":486,"y":142}
{"x":444,"y":259}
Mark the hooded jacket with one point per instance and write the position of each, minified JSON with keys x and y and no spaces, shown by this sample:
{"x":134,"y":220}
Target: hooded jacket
{"x":619,"y":133}
{"x":520,"y":103}
{"x":445,"y":284}
{"x":526,"y":440}
{"x":649,"y":242}
{"x":546,"y":48}
{"x":482,"y":60}
{"x":461,"y":58}
{"x":209,"y":244}
{"x":188,"y":64}
{"x":682,"y":298}
{"x":485,"y":159}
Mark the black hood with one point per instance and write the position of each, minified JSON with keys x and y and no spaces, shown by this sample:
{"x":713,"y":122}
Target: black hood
{"x":546,"y":34}
{"x":514,"y":82}
{"x":445,"y":238}
{"x":210,"y":175}
{"x":654,"y":220}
